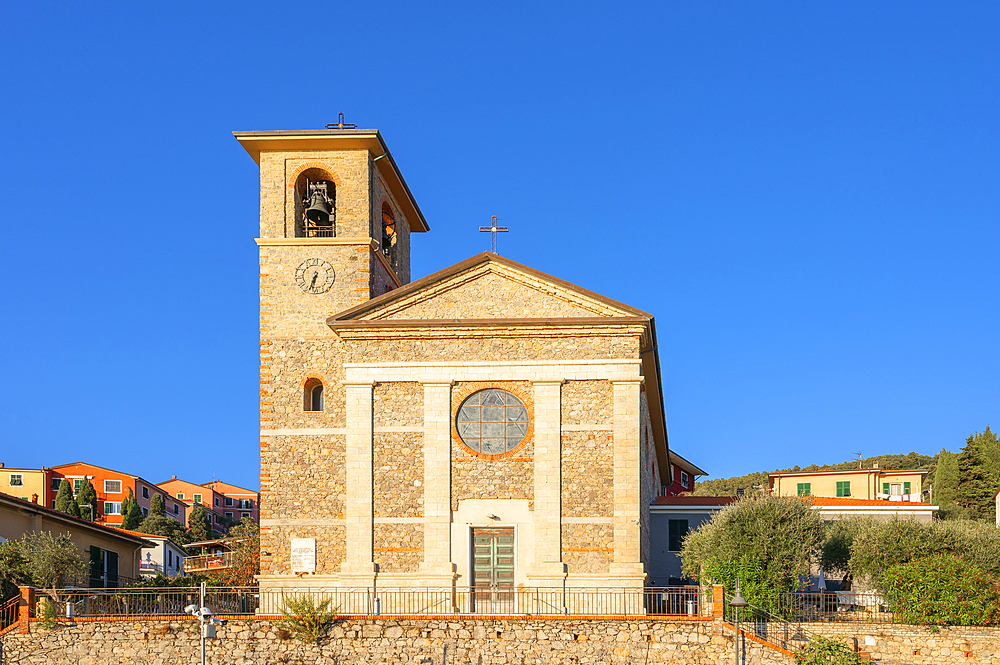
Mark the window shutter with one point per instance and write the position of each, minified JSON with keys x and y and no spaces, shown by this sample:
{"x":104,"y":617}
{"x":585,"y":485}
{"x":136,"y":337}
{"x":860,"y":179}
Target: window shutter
{"x":906,"y":488}
{"x":885,"y":488}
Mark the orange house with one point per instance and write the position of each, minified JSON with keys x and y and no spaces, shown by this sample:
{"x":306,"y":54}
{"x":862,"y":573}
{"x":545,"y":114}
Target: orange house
{"x":237,"y":502}
{"x":194,"y":494}
{"x":112,"y":488}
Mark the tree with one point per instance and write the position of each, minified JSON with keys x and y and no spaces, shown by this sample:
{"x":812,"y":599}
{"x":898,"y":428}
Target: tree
{"x":161,"y":525}
{"x":769,"y":541}
{"x":41,"y":560}
{"x":198,"y":527}
{"x":157,"y":506}
{"x":65,"y":502}
{"x":836,"y":549}
{"x":979,"y":474}
{"x":946,"y":483}
{"x":243,"y":540}
{"x":131,"y":513}
{"x":87,"y":496}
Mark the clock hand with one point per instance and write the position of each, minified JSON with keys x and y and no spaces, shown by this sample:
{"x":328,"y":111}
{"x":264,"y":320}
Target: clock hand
{"x":313,"y":283}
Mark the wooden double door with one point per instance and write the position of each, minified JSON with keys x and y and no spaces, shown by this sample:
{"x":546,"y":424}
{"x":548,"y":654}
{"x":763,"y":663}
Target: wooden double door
{"x":493,"y":570}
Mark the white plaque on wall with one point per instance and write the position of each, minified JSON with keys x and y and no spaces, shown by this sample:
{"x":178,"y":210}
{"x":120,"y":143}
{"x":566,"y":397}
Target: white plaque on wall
{"x":303,"y":555}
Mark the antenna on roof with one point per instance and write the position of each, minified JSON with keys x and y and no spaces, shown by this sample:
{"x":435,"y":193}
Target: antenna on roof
{"x":859,"y":459}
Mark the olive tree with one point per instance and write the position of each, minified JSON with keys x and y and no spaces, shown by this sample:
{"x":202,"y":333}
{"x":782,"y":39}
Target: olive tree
{"x":768,"y":541}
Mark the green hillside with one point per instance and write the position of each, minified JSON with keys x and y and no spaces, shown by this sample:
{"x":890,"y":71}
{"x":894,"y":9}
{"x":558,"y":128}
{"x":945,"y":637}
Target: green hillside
{"x":728,"y":486}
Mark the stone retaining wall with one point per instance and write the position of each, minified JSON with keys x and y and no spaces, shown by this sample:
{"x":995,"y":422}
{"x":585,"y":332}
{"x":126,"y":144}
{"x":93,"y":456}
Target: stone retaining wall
{"x":917,"y":645}
{"x":462,"y":640}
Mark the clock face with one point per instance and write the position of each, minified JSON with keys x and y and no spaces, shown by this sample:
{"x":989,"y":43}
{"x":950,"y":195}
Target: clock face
{"x":315,"y":276}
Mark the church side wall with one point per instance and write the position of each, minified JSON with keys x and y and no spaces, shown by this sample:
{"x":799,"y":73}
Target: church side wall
{"x":649,"y":475}
{"x":382,"y":194}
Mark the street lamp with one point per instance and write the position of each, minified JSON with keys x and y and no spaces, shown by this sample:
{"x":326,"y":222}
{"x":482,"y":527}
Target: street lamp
{"x":205,"y":620}
{"x":737,"y":602}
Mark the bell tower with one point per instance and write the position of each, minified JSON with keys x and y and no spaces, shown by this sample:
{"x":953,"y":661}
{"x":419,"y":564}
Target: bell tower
{"x":335,"y":222}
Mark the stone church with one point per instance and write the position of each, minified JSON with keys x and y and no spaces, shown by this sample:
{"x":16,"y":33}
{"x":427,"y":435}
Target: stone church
{"x":486,"y":426}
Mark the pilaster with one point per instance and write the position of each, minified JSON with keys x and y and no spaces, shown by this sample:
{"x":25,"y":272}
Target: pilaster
{"x":626,"y":560}
{"x":437,"y":483}
{"x":358,"y":567}
{"x":547,"y":569}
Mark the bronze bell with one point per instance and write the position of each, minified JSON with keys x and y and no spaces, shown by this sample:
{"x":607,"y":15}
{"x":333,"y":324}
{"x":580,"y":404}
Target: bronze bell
{"x":318,"y":210}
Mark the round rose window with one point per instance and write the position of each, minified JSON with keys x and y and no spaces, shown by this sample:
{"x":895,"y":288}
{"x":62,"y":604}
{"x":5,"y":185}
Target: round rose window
{"x":492,"y":422}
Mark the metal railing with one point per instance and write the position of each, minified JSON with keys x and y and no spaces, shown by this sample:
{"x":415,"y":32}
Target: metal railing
{"x":856,"y":606}
{"x":170,"y":601}
{"x":766,"y":626}
{"x":8,"y":614}
{"x":208,"y":562}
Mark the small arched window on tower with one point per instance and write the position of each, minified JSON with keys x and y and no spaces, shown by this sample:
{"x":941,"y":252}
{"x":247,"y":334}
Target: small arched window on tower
{"x":316,"y":208}
{"x":313,"y":395}
{"x":389,"y":235}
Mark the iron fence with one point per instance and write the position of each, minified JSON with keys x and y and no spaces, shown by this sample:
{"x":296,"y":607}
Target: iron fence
{"x":8,"y":614}
{"x":171,"y":601}
{"x":855,"y":606}
{"x":766,"y":626}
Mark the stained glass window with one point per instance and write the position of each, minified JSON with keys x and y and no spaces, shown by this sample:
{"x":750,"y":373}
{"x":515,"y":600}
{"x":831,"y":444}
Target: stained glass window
{"x":492,"y":421}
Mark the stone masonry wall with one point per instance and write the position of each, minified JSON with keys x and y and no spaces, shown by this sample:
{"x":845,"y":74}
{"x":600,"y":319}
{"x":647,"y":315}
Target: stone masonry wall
{"x":432,"y":641}
{"x":398,"y":548}
{"x":917,"y":645}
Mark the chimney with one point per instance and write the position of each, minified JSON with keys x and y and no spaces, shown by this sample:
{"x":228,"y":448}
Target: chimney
{"x":1,"y":465}
{"x":34,"y":498}
{"x":173,"y":477}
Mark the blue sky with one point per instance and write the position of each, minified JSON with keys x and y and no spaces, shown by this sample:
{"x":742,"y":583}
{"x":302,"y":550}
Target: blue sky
{"x":805,"y":195}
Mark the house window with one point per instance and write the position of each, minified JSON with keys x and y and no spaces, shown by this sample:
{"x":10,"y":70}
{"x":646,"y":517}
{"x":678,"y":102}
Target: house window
{"x":56,"y":482}
{"x":112,"y":508}
{"x":677,"y":530}
{"x":684,"y":478}
{"x":663,"y":490}
{"x":16,"y":480}
{"x":177,"y":509}
{"x":216,"y":499}
{"x":804,"y":489}
{"x":180,"y":495}
{"x":312,"y":397}
{"x":229,"y":515}
{"x":145,"y":512}
{"x":843,"y":488}
{"x":492,"y":422}
{"x":246,"y":504}
{"x":197,"y":498}
{"x":112,"y":487}
{"x":229,"y":501}
{"x":242,"y":515}
{"x":77,"y":482}
{"x":145,"y":492}
{"x":170,"y":558}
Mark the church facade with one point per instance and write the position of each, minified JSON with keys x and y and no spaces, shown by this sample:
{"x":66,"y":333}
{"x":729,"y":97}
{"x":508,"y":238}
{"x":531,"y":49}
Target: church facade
{"x":486,"y":426}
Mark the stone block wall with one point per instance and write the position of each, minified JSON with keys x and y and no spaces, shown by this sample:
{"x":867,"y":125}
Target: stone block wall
{"x":479,"y":641}
{"x":917,"y":645}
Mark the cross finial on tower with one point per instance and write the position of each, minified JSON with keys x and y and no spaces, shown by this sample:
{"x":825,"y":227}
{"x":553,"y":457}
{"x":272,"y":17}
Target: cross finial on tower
{"x":493,"y":229}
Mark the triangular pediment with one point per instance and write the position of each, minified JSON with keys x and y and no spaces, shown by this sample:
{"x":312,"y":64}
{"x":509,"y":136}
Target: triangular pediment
{"x":489,"y":287}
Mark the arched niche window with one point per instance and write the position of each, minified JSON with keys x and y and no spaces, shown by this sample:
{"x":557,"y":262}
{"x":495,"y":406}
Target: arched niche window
{"x":389,"y":235}
{"x":315,"y":205}
{"x":313,"y":395}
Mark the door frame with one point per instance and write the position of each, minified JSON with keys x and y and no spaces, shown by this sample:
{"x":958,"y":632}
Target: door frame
{"x":472,"y":554}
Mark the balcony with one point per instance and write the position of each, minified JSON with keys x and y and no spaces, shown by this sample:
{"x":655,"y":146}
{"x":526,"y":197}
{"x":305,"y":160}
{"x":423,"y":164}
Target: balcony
{"x":206,"y":563}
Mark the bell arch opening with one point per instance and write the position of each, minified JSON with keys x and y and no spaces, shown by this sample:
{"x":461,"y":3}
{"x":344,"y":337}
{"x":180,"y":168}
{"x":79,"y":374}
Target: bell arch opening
{"x":389,"y":236}
{"x":315,"y":204}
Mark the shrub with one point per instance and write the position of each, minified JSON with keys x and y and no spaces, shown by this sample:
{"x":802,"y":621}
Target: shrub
{"x":305,"y":618}
{"x":942,"y":590}
{"x":827,"y":651}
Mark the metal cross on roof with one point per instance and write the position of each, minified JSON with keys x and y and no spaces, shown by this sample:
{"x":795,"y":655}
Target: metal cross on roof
{"x":493,"y":229}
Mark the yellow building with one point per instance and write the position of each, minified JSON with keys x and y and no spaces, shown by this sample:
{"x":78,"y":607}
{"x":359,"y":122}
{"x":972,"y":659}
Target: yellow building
{"x":900,"y":485}
{"x":23,"y":483}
